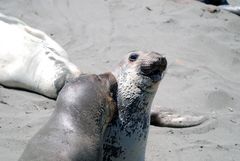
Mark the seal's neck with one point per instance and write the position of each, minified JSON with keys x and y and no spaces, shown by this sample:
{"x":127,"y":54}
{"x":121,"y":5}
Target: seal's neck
{"x":126,"y":136}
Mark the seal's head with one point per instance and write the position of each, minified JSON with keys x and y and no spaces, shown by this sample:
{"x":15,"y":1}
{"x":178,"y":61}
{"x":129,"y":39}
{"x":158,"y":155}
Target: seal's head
{"x":144,"y":69}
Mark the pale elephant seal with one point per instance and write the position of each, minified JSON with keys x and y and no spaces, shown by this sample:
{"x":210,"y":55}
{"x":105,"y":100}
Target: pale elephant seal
{"x":31,"y":60}
{"x":75,"y":129}
{"x":138,"y":77}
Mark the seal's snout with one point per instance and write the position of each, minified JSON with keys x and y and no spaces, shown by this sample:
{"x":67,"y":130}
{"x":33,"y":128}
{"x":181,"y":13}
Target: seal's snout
{"x":162,"y":63}
{"x":154,"y":67}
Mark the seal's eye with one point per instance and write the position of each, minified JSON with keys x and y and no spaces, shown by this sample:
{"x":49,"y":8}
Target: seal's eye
{"x":133,"y":57}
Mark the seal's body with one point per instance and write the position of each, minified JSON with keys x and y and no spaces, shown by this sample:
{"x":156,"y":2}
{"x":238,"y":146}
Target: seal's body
{"x":75,"y":130}
{"x":138,"y":76}
{"x":31,"y":60}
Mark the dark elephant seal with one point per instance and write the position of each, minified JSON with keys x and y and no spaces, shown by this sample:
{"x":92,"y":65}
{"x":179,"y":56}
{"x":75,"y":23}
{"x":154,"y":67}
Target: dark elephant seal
{"x":138,"y":76}
{"x":75,"y":129}
{"x":215,"y":2}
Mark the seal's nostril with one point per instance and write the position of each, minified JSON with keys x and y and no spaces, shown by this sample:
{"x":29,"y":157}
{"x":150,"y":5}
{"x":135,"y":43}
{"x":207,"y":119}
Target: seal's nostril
{"x":163,"y":63}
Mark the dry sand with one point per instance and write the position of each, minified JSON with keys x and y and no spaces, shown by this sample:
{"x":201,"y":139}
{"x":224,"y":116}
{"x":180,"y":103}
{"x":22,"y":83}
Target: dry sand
{"x":203,"y":51}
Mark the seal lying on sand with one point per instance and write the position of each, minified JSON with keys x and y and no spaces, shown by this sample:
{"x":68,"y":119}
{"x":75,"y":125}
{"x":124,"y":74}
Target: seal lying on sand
{"x":75,"y":129}
{"x":223,"y":4}
{"x":31,"y":60}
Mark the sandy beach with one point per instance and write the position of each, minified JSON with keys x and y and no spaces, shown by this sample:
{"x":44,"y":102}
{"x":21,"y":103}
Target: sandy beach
{"x":203,"y":51}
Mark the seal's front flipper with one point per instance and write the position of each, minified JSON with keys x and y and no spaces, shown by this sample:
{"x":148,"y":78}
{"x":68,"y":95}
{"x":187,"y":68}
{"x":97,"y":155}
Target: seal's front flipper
{"x":233,"y":9}
{"x":173,"y":119}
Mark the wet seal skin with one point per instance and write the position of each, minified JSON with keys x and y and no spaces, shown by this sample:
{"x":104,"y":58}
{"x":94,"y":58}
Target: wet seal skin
{"x":76,"y":127}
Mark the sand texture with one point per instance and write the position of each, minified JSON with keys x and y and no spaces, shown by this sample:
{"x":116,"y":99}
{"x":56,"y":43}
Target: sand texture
{"x":202,"y":46}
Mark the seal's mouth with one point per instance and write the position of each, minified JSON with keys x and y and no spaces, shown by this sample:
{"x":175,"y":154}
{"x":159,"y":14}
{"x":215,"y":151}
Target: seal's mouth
{"x":155,"y":75}
{"x":154,"y":70}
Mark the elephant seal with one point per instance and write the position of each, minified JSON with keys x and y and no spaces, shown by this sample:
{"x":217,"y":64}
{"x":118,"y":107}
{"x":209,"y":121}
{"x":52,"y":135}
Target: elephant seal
{"x":75,"y":129}
{"x":223,"y":4}
{"x":138,"y":76}
{"x":31,"y":60}
{"x":215,"y":2}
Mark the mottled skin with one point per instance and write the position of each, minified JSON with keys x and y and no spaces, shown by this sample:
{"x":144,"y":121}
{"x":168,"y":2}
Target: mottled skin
{"x":76,"y":127}
{"x":138,"y":77}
